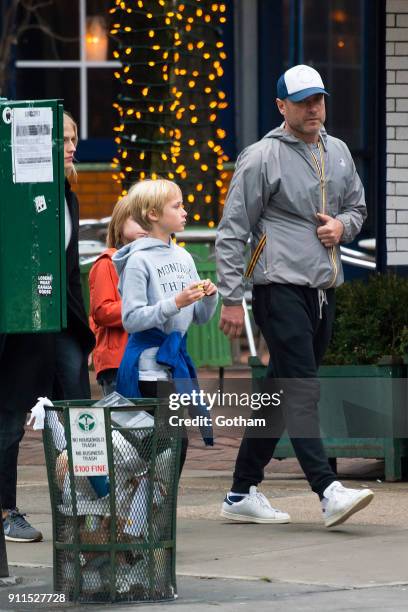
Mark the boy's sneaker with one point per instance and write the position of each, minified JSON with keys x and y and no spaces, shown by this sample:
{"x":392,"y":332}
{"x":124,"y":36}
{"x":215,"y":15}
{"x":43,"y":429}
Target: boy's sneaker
{"x":252,"y":508}
{"x":17,"y":529}
{"x":339,"y":503}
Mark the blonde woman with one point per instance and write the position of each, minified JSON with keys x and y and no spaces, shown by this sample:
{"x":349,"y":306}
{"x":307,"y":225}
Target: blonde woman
{"x":74,"y":344}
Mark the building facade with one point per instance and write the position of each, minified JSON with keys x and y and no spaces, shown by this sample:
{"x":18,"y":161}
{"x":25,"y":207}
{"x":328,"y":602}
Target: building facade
{"x":359,"y":46}
{"x":397,"y":132}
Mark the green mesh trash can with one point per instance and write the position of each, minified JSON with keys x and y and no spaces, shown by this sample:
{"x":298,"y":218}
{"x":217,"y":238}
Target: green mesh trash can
{"x":113,"y":479}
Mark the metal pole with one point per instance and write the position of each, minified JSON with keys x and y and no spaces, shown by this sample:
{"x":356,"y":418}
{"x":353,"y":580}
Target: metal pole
{"x":4,"y":572}
{"x":83,"y":76}
{"x":248,"y":330}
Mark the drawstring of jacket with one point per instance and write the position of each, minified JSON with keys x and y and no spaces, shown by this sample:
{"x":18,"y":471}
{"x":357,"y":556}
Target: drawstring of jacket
{"x":321,"y":294}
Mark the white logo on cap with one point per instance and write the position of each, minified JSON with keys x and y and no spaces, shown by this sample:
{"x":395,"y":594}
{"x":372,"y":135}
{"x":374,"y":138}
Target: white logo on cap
{"x":302,"y":77}
{"x":305,"y":76}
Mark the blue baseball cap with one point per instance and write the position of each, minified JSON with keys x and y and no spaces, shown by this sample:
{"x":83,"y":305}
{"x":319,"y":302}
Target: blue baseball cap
{"x":299,"y":83}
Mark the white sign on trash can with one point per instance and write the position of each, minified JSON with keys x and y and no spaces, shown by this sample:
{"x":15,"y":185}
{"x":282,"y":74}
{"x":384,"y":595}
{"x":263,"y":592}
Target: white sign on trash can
{"x":88,"y":442}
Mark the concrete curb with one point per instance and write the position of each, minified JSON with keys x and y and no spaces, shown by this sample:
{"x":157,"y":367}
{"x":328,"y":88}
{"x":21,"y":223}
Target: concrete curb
{"x":340,"y":587}
{"x":10,"y":581}
{"x":30,"y":565}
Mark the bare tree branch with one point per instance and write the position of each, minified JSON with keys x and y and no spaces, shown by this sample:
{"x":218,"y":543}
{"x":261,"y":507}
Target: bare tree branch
{"x":30,"y":5}
{"x":28,"y":13}
{"x":47,"y":31}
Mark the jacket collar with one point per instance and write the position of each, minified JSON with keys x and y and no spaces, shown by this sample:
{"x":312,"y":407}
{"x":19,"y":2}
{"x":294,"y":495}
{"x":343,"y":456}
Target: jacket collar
{"x":281,"y":134}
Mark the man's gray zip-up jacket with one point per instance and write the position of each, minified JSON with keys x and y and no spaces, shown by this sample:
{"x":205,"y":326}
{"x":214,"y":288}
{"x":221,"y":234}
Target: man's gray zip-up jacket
{"x":276,"y":190}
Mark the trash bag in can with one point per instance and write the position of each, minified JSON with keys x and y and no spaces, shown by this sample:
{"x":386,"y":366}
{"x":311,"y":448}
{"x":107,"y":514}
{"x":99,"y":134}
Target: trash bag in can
{"x":113,"y":476}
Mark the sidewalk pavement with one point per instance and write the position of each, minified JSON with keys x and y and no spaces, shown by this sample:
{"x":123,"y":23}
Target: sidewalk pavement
{"x":300,"y":566}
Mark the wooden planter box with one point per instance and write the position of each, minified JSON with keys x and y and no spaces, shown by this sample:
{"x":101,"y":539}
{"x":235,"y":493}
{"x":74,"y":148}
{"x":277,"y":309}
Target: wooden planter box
{"x":363,"y":413}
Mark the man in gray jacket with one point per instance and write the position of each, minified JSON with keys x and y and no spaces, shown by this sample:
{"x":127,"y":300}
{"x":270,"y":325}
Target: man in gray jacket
{"x":297,"y":193}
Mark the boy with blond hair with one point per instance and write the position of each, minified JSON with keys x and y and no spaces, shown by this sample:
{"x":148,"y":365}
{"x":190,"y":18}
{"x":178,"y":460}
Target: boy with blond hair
{"x":162,"y":294}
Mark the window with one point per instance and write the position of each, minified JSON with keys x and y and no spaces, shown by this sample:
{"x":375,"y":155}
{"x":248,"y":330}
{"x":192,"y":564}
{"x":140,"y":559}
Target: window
{"x":72,"y":63}
{"x":333,"y":42}
{"x":340,"y":39}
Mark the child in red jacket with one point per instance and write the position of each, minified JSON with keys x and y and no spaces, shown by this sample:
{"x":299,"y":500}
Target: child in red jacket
{"x":105,"y":303}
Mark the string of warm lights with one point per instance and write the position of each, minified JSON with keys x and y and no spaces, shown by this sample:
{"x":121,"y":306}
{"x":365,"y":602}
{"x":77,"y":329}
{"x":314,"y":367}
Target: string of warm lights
{"x":171,"y":53}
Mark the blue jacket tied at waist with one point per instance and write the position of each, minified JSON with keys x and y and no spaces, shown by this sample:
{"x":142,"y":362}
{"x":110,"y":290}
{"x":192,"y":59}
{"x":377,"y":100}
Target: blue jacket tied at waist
{"x":173,"y":354}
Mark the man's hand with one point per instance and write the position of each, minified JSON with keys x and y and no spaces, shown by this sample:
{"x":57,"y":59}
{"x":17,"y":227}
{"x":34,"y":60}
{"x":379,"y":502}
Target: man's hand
{"x":331,"y":230}
{"x":232,"y":320}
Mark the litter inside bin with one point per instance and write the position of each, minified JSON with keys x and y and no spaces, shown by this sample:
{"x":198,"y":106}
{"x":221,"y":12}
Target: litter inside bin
{"x":118,"y":546}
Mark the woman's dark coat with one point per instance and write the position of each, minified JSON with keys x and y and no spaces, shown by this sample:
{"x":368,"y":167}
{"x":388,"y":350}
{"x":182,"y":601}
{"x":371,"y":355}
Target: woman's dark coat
{"x":27,"y":361}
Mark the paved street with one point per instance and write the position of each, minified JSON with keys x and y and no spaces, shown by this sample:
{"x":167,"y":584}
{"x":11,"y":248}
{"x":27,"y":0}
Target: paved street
{"x":301,"y":566}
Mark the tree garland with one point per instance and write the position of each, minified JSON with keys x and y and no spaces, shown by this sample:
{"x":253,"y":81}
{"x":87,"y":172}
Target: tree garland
{"x":171,"y":53}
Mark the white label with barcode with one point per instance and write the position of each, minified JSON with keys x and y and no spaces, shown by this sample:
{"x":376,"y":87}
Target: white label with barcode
{"x":31,"y":144}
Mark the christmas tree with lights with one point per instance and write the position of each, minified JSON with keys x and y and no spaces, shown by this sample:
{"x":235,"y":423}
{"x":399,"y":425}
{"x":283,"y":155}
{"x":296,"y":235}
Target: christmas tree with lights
{"x":171,"y":53}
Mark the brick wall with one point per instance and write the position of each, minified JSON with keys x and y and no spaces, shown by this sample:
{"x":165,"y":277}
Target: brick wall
{"x":397,"y":131}
{"x":97,"y":192}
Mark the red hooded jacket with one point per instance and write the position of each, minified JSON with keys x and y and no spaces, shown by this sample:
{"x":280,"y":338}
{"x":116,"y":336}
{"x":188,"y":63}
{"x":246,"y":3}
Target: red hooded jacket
{"x":105,"y":313}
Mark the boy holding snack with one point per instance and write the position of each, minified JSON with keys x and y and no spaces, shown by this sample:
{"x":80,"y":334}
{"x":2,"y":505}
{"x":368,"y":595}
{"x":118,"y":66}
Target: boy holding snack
{"x":162,"y":295}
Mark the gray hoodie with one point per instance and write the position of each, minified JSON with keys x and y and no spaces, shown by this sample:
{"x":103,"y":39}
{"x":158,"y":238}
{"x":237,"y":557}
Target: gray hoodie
{"x":276,"y":190}
{"x":151,"y":274}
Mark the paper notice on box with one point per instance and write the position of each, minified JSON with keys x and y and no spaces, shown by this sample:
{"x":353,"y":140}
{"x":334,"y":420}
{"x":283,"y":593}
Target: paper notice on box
{"x":31,"y":145}
{"x":88,"y":442}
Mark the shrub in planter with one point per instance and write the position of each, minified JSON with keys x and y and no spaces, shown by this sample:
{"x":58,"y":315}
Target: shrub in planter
{"x":371,"y":321}
{"x":363,"y":405}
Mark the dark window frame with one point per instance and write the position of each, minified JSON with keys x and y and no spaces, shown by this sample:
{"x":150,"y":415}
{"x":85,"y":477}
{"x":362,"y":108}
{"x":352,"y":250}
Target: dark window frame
{"x":272,"y":63}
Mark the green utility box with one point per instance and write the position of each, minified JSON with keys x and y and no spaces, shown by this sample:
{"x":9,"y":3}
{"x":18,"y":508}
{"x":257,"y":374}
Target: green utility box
{"x":32,"y":234}
{"x":206,"y":344}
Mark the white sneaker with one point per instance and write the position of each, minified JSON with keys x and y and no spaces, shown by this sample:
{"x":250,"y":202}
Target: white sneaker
{"x":253,"y":508}
{"x":339,"y":503}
